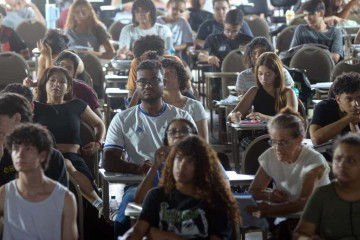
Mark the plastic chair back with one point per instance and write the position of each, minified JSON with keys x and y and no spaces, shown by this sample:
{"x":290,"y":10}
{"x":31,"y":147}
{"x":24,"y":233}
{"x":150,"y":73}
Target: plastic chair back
{"x":13,"y":68}
{"x":346,"y":65}
{"x":284,"y":38}
{"x":31,"y":32}
{"x":259,"y":26}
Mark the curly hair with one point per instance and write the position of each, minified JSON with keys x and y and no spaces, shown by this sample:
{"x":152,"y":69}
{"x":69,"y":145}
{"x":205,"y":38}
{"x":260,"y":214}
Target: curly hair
{"x":70,"y":21}
{"x":150,"y":65}
{"x":288,"y":119}
{"x":255,"y":43}
{"x":273,"y":62}
{"x":185,"y":122}
{"x":12,"y":103}
{"x":149,"y":43}
{"x":146,"y":5}
{"x":208,"y":181}
{"x":346,"y":83}
{"x":33,"y":135}
{"x":56,"y":40}
{"x":21,"y":89}
{"x":181,"y":73}
{"x":42,"y":94}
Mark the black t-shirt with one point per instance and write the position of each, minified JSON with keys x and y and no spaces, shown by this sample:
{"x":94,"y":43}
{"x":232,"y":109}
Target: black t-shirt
{"x":219,"y":45}
{"x":197,"y":17}
{"x":264,"y":103}
{"x":56,"y":169}
{"x":185,"y":215}
{"x":327,"y":112}
{"x":10,"y":40}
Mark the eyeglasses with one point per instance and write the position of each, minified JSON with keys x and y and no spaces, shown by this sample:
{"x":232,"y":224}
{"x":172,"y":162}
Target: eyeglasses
{"x":280,"y":143}
{"x":182,"y":131}
{"x":152,"y":82}
{"x":231,"y":32}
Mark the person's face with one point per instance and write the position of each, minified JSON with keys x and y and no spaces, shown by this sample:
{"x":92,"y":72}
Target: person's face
{"x":177,"y":131}
{"x":256,"y":52}
{"x":284,"y":144}
{"x":177,"y":10}
{"x":57,"y":85}
{"x":26,"y":157}
{"x":142,"y":16}
{"x":150,"y":84}
{"x":231,"y":31}
{"x":266,"y":76}
{"x":184,"y":169}
{"x":68,"y":65}
{"x":313,"y":19}
{"x":172,"y":81}
{"x":346,"y":163}
{"x":7,"y":125}
{"x":220,"y":11}
{"x":348,"y":102}
{"x":82,"y":13}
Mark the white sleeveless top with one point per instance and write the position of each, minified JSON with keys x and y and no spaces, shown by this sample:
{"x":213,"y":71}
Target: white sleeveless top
{"x":33,"y":220}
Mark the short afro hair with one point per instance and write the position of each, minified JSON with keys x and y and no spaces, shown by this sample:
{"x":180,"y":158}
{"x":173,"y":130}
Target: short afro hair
{"x":346,"y":83}
{"x":149,"y":43}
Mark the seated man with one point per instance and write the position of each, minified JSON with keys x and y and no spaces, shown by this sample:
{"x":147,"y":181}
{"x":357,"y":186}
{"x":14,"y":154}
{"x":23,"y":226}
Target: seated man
{"x":138,"y":131}
{"x":340,"y":115}
{"x":15,"y":109}
{"x":10,"y":40}
{"x":216,"y":25}
{"x":317,"y":32}
{"x":218,"y":45}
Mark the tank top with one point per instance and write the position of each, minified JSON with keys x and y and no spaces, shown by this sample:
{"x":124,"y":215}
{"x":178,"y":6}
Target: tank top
{"x":264,"y":103}
{"x":33,"y":220}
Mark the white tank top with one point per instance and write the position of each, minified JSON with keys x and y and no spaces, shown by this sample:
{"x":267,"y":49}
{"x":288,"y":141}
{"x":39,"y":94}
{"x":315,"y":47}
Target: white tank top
{"x":33,"y":220}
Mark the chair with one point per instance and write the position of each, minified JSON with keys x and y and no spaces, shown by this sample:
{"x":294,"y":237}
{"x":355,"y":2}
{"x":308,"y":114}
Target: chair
{"x":75,"y":189}
{"x":115,"y":30}
{"x":31,"y":32}
{"x":87,"y":134}
{"x":346,"y":65}
{"x":93,"y":66}
{"x":249,"y":163}
{"x":255,"y":7}
{"x":258,"y":26}
{"x":284,"y":38}
{"x":13,"y":68}
{"x":316,"y":61}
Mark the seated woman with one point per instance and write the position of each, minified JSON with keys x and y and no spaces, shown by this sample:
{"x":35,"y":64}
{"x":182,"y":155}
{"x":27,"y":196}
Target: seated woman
{"x":191,"y":184}
{"x":336,"y":11}
{"x":19,"y":11}
{"x":62,"y":116}
{"x":246,"y":79}
{"x":179,"y":26}
{"x":84,"y":29}
{"x":177,"y":81}
{"x":33,"y":205}
{"x":143,"y":23}
{"x":270,"y":95}
{"x":333,"y":210}
{"x":295,"y":169}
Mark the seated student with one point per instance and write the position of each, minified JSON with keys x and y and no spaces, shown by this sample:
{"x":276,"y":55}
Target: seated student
{"x":21,"y":10}
{"x":33,"y":205}
{"x":216,"y":25}
{"x":337,"y":115}
{"x":316,"y":31}
{"x":196,"y":15}
{"x":143,"y":23}
{"x":246,"y":79}
{"x":84,"y":29}
{"x":16,"y":109}
{"x":218,"y":45}
{"x":337,"y":11}
{"x":179,"y":26}
{"x":10,"y":40}
{"x":192,"y":200}
{"x":269,"y":96}
{"x":295,"y":169}
{"x":332,"y":212}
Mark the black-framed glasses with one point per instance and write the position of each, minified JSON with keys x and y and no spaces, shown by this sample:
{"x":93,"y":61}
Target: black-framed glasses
{"x":152,"y":82}
{"x":281,"y":143}
{"x":231,"y":32}
{"x":182,"y":131}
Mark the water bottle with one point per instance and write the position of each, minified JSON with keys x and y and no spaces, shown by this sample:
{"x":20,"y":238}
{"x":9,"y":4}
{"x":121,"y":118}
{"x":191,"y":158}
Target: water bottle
{"x":113,"y":204}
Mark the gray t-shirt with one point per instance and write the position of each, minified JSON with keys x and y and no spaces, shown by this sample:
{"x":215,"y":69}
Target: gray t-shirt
{"x":14,"y":18}
{"x":181,"y":30}
{"x":332,"y":38}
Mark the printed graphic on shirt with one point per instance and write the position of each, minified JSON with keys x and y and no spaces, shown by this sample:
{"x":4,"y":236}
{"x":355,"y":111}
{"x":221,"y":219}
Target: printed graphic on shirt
{"x":190,"y":223}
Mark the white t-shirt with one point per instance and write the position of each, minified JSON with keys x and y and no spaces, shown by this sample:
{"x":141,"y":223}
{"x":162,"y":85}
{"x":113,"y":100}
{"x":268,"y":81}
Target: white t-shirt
{"x":129,"y":34}
{"x":14,"y":18}
{"x":195,"y":109}
{"x":289,"y":177}
{"x":181,"y":30}
{"x":139,"y":133}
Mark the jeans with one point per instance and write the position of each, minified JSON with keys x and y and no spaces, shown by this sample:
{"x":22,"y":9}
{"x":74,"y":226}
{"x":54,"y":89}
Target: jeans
{"x":122,"y":222}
